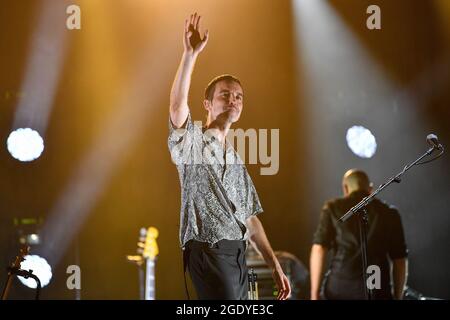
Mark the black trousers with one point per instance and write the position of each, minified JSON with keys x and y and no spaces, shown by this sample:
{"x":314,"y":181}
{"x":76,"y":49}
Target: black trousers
{"x":218,"y":271}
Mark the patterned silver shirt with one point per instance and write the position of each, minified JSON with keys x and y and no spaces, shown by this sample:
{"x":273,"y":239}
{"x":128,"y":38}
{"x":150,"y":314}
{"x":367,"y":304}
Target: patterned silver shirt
{"x":217,"y":193}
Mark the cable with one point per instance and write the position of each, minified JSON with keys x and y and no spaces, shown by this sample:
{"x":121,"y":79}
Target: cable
{"x":438,"y":156}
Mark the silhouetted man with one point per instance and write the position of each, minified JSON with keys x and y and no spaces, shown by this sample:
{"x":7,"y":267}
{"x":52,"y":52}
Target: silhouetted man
{"x":386,"y":246}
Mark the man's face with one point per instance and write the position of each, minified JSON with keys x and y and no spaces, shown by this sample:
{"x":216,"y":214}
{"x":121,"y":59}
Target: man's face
{"x":227,"y":101}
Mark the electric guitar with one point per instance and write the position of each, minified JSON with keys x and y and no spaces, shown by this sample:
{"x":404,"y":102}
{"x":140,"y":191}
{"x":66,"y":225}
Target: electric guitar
{"x":15,"y":266}
{"x":253,"y":293}
{"x":149,"y":251}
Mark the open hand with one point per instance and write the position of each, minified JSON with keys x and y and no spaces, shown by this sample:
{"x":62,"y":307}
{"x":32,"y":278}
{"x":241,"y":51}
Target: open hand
{"x":193,"y":42}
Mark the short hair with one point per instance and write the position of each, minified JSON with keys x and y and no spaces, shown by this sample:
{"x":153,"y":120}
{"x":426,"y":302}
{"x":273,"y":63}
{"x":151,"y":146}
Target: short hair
{"x":211,"y":87}
{"x":357,"y":179}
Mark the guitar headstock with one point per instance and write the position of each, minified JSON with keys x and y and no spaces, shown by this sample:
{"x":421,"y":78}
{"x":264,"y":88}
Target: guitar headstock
{"x":24,"y":250}
{"x":147,"y":243}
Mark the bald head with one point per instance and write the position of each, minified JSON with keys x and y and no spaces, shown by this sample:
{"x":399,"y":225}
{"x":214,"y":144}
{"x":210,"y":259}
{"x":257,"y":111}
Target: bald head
{"x":356,"y":180}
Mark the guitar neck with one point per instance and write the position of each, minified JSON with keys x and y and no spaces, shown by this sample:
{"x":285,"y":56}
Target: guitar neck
{"x":7,"y":286}
{"x":253,"y":286}
{"x":150,"y":279}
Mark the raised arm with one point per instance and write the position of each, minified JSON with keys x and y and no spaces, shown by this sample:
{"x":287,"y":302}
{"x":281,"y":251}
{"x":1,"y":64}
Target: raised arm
{"x":193,"y":45}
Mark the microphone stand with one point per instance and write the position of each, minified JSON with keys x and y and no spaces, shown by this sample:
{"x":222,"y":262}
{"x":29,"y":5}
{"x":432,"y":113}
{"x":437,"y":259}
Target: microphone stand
{"x":361,"y":209}
{"x":22,"y":273}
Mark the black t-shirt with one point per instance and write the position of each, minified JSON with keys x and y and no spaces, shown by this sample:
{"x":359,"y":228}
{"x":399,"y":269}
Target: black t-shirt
{"x":386,"y":242}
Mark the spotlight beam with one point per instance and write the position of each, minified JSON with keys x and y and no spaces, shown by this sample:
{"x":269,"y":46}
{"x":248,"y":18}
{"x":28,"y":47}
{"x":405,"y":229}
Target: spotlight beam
{"x":43,"y":69}
{"x":108,"y":150}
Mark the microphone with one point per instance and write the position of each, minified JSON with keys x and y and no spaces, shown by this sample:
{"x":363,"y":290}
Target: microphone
{"x":433,"y":141}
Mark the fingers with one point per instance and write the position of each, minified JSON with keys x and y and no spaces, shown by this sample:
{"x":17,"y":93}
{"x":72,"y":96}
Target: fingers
{"x":203,"y":42}
{"x":194,"y":21}
{"x":206,"y":36}
{"x":286,"y":292}
{"x":187,"y":32}
{"x":279,"y":294}
{"x":189,"y":24}
{"x":288,"y":288}
{"x":197,"y":23}
{"x":284,"y":288}
{"x":282,"y":295}
{"x":281,"y":289}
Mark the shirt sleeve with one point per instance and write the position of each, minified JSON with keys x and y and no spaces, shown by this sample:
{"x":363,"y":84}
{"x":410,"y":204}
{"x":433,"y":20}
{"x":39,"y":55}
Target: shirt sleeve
{"x":256,"y":204}
{"x":397,"y":243}
{"x":181,"y":141}
{"x":325,"y":232}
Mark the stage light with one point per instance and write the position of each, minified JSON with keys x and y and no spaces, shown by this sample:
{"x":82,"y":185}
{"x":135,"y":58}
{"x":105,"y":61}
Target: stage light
{"x":40,"y":268}
{"x":31,"y":239}
{"x":361,"y":141}
{"x":25,"y":144}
